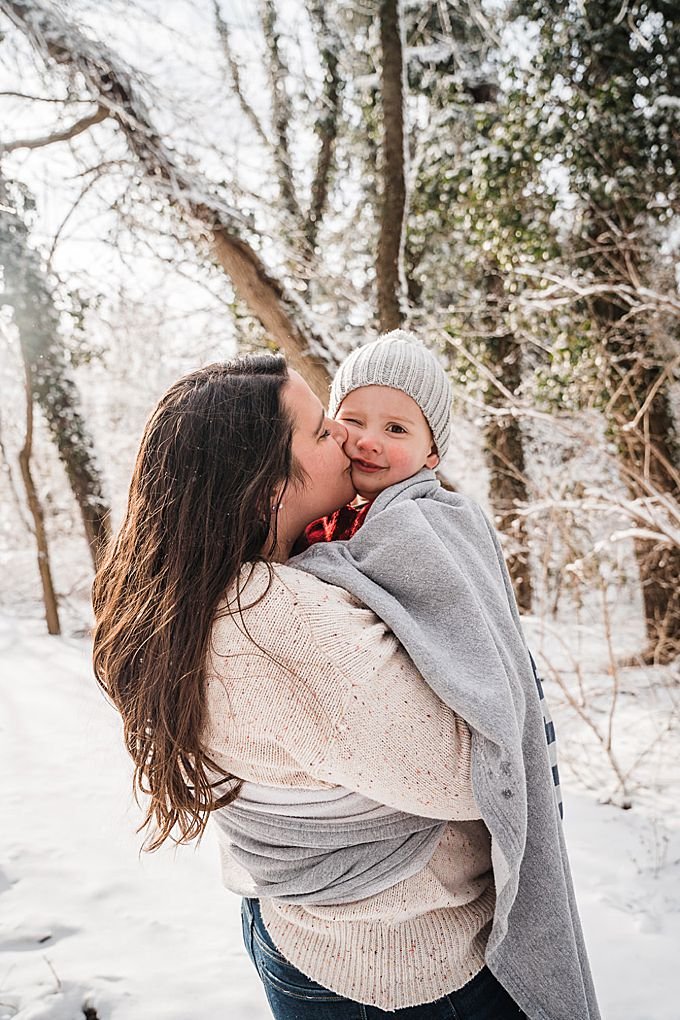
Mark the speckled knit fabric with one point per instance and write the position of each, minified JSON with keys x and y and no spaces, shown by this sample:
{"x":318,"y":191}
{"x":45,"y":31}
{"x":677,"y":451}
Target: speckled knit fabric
{"x":343,"y":706}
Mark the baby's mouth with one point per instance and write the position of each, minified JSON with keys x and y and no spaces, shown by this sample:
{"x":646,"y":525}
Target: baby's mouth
{"x":366,"y":465}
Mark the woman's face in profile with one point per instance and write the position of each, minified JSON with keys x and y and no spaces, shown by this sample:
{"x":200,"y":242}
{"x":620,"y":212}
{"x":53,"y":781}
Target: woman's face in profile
{"x":317,"y":448}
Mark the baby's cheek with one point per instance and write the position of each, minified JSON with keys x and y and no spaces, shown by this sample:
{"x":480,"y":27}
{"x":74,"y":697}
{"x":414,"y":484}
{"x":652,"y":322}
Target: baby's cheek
{"x":402,"y":459}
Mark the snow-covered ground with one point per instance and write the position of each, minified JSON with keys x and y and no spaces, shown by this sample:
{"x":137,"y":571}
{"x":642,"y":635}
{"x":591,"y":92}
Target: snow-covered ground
{"x":86,"y":921}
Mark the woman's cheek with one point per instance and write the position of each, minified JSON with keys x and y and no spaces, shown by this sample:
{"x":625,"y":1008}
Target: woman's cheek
{"x":350,"y":442}
{"x":335,"y":455}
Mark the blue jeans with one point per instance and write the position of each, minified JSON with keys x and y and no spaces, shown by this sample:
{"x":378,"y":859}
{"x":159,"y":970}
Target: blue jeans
{"x":292,"y":996}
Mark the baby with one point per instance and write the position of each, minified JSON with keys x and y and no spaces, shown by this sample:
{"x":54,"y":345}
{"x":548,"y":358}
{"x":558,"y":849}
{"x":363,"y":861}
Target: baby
{"x":394,"y":399}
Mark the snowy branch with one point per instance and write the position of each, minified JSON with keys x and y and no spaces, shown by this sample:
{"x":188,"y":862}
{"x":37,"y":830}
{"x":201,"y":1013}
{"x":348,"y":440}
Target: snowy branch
{"x":63,"y":135}
{"x":565,"y":290}
{"x":652,"y":518}
{"x":115,"y":87}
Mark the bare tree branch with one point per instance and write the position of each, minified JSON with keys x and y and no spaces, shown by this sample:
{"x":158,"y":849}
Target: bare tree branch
{"x":666,"y":375}
{"x":655,"y":515}
{"x":282,"y":113}
{"x":327,"y":121}
{"x":39,"y":99}
{"x":235,"y":71}
{"x":63,"y":135}
{"x":98,"y":173}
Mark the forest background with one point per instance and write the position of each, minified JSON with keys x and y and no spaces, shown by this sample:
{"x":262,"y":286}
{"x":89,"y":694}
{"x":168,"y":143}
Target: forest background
{"x":181,"y":181}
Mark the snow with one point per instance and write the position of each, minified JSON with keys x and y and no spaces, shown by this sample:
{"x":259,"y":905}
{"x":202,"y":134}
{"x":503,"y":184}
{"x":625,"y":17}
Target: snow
{"x":84,"y":919}
{"x":88,"y":922}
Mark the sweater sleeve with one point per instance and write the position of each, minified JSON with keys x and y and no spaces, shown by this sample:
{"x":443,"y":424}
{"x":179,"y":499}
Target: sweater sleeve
{"x":343,"y":703}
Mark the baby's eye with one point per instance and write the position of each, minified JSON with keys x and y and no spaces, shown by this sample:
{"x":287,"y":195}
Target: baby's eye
{"x":395,"y":428}
{"x":349,"y":421}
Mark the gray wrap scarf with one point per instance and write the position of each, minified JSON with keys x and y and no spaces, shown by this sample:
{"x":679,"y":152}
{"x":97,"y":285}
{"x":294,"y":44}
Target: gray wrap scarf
{"x":323,"y":846}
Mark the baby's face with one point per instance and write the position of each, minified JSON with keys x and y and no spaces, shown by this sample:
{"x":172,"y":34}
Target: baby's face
{"x":388,"y":438}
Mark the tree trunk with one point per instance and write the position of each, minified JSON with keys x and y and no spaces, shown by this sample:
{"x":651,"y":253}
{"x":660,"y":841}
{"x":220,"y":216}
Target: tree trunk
{"x":275,"y":309}
{"x":505,"y":453}
{"x":505,"y":449}
{"x":58,"y":398}
{"x":37,"y":322}
{"x":34,"y":505}
{"x":642,"y":424}
{"x":113,"y":86}
{"x":389,"y":270}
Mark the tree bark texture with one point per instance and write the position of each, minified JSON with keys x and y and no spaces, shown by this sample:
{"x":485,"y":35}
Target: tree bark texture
{"x":114,"y":87}
{"x":37,"y":321}
{"x":393,"y":204}
{"x":35,"y":507}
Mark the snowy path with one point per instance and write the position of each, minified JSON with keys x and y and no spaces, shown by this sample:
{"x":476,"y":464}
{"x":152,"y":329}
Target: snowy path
{"x":84,"y":921}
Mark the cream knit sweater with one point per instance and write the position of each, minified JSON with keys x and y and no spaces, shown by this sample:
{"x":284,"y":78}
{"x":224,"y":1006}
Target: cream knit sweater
{"x":342,"y":705}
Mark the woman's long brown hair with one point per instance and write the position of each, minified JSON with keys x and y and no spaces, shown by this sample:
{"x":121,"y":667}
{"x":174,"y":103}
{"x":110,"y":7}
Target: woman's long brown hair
{"x":213,"y":456}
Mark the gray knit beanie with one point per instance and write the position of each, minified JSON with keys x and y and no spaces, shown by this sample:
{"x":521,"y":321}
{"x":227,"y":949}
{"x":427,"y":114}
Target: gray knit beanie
{"x":398,"y":359}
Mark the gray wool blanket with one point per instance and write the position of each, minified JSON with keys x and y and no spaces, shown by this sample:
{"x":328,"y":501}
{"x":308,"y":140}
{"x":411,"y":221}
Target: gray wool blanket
{"x":428,"y":563}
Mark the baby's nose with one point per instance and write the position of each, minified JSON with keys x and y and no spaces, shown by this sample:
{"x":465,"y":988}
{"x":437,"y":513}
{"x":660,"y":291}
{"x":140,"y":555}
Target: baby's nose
{"x":368,"y":440}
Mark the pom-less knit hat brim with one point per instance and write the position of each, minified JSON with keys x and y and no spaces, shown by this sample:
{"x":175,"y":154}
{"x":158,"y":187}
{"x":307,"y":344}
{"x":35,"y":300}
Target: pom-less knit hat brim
{"x":399,"y":360}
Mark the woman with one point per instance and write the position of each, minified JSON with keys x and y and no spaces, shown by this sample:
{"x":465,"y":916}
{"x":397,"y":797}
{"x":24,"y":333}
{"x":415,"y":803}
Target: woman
{"x":221,"y":659}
